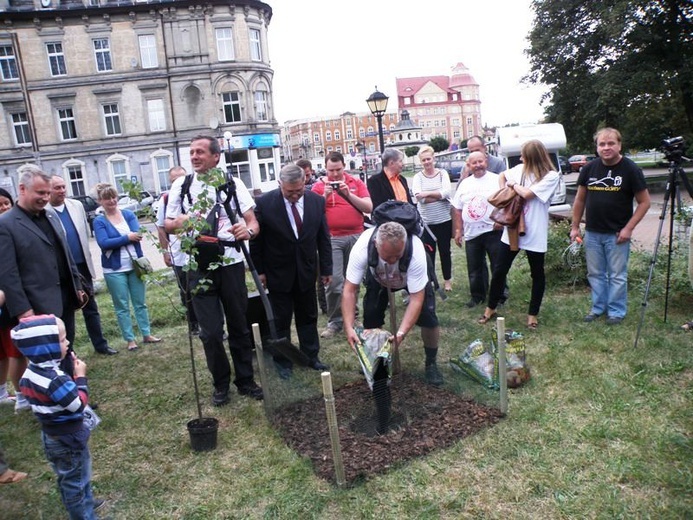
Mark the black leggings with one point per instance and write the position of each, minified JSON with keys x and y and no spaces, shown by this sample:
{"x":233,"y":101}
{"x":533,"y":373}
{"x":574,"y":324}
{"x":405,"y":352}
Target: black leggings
{"x":443,"y":234}
{"x":536,"y":266}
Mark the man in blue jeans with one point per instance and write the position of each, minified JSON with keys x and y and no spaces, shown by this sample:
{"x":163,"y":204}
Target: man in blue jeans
{"x":606,"y":189}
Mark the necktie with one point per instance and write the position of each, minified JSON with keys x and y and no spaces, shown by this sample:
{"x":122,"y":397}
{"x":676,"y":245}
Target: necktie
{"x":297,"y":218}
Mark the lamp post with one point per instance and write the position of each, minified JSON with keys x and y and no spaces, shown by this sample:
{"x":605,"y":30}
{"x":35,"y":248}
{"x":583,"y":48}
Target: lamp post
{"x":227,"y":136}
{"x":361,"y":147}
{"x":377,"y":103}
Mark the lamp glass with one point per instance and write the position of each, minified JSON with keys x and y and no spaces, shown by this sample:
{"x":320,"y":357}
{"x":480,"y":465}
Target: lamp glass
{"x":377,"y":103}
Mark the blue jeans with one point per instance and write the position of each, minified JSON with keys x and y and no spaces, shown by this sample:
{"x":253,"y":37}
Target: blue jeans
{"x":123,"y":288}
{"x":607,"y":272}
{"x":73,"y":468}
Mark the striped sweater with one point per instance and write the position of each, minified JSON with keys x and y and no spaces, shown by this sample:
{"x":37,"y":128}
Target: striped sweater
{"x":56,"y":399}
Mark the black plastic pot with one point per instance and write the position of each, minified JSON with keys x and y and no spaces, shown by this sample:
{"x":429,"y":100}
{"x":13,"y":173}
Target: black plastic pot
{"x":203,"y":433}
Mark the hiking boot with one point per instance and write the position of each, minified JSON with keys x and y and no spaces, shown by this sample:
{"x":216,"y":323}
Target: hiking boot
{"x":251,"y":390}
{"x":220,"y":397}
{"x":433,"y":375}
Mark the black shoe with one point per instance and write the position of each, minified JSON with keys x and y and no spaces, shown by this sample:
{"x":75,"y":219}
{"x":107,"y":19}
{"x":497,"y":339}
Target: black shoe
{"x":316,"y":364}
{"x":108,"y":351}
{"x":251,"y":390}
{"x":284,"y":372}
{"x":195,"y":329}
{"x":220,"y":397}
{"x":471,"y":304}
{"x":590,"y":318}
{"x":433,"y":375}
{"x":94,"y":406}
{"x":615,"y":320}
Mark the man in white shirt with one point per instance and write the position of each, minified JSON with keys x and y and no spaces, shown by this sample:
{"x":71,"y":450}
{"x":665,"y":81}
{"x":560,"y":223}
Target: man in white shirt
{"x":471,"y":216}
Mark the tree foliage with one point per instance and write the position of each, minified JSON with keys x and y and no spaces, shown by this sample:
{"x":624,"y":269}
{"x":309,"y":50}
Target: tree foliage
{"x":439,"y":144}
{"x":411,"y":151}
{"x":621,"y":63}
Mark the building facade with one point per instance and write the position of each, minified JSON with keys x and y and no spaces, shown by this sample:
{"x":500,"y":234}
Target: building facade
{"x":107,"y":91}
{"x":443,"y":106}
{"x":354,"y":135}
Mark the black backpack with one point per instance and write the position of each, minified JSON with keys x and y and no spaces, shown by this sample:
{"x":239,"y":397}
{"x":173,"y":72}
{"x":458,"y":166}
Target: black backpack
{"x":403,"y":213}
{"x":408,"y":216}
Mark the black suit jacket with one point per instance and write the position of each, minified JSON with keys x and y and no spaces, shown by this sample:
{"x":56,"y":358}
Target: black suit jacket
{"x":381,"y":190}
{"x":28,"y":265}
{"x":279,"y":255}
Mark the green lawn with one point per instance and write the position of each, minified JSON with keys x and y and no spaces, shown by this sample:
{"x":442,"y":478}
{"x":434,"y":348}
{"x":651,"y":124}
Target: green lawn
{"x":602,"y":430}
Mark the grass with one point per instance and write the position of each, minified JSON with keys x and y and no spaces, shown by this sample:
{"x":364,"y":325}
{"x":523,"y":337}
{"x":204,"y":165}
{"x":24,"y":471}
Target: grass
{"x":602,"y":430}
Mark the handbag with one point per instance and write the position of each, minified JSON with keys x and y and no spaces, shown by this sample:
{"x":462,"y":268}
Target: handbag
{"x":141,"y":265}
{"x":502,"y":197}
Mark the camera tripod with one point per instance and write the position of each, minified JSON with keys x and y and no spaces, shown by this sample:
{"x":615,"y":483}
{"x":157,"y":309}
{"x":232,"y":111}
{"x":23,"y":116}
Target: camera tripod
{"x":672,"y":193}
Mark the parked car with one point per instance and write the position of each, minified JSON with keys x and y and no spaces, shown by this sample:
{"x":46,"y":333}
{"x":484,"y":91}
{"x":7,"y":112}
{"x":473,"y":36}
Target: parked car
{"x":578,"y":161}
{"x":134,"y":205}
{"x":564,"y":164}
{"x":158,"y":201}
{"x":90,"y":207}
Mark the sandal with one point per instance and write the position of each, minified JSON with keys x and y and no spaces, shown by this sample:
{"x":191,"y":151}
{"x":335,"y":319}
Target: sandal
{"x":10,"y":476}
{"x":532,"y":323}
{"x":688,"y":326}
{"x":152,"y":339}
{"x":133,"y":347}
{"x":485,"y":319}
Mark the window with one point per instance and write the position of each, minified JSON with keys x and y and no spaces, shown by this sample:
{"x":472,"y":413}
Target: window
{"x":362,"y":133}
{"x":157,"y":117}
{"x":162,"y":164}
{"x":8,"y":63}
{"x":469,"y":121}
{"x":102,"y":54}
{"x":20,"y":122}
{"x":350,"y":133}
{"x":231,"y":102}
{"x":370,"y":130}
{"x":68,"y":129}
{"x":328,"y":136}
{"x":337,"y":136}
{"x":148,"y":55}
{"x":225,"y":44}
{"x":316,"y":137}
{"x":76,"y":180}
{"x":111,"y":118}
{"x":120,"y":174}
{"x":255,"y":45}
{"x":261,"y":105}
{"x":56,"y":59}
{"x":266,"y":165}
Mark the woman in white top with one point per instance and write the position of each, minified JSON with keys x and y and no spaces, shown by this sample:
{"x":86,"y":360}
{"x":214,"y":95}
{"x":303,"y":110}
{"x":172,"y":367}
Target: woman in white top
{"x":534,"y":180}
{"x":431,"y":188}
{"x":118,"y":236}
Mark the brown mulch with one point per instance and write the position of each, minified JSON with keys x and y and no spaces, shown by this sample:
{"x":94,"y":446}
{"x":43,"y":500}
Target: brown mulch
{"x":423,"y":418}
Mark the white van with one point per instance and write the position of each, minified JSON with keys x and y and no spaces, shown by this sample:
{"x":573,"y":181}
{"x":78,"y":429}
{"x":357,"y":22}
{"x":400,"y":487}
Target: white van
{"x":509,"y":140}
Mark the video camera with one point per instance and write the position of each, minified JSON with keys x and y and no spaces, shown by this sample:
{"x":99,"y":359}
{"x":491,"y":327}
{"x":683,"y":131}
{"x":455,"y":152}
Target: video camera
{"x":673,"y":148}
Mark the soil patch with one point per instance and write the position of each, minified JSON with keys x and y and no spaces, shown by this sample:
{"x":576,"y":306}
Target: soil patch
{"x":422,"y":419}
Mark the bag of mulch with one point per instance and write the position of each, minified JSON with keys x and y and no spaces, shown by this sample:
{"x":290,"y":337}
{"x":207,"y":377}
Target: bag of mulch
{"x":517,"y":371}
{"x":373,"y":352}
{"x":477,"y":362}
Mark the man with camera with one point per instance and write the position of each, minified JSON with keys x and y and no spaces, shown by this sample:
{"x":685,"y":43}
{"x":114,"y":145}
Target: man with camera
{"x":606,"y":189}
{"x":346,"y":200}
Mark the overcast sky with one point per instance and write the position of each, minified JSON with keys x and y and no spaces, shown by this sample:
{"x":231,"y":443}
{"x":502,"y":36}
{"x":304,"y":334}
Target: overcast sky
{"x":328,"y":56}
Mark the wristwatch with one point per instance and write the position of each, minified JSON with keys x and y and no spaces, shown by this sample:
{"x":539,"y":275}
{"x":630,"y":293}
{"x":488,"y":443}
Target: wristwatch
{"x":251,"y":233}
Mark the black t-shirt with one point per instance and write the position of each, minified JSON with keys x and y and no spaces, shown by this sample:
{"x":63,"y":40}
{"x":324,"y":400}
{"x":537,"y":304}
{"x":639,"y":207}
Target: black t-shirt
{"x":610,"y":194}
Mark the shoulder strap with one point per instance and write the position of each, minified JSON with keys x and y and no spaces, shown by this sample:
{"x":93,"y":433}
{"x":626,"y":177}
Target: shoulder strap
{"x":185,"y":191}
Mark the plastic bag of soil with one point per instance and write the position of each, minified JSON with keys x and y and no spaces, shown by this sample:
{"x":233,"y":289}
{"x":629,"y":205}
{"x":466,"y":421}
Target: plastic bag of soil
{"x":373,"y":352}
{"x":517,"y":371}
{"x":478,"y":362}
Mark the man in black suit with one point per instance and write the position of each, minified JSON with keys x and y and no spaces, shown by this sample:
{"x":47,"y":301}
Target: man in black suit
{"x":389,"y":184}
{"x":37,"y":271}
{"x":293,"y":241}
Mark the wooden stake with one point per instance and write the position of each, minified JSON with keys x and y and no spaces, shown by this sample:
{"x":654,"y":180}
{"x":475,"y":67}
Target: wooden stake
{"x":502,"y":369}
{"x":331,"y":413}
{"x":264,"y":377}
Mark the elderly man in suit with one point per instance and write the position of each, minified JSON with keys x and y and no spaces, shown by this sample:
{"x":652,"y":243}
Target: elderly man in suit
{"x":293,"y":241}
{"x":74,"y":221}
{"x":37,"y":271}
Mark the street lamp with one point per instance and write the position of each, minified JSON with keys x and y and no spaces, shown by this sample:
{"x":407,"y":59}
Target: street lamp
{"x":377,"y":103}
{"x":227,"y":136}
{"x":361,"y":147}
